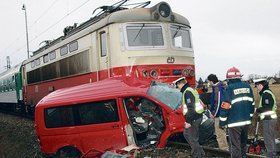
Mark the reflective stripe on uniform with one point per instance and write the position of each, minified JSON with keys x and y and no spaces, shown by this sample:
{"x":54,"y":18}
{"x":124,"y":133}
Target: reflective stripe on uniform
{"x":272,"y":114}
{"x":236,"y":124}
{"x":223,"y":118}
{"x":198,"y":107}
{"x":185,"y":109}
{"x":241,"y":99}
{"x":233,"y":73}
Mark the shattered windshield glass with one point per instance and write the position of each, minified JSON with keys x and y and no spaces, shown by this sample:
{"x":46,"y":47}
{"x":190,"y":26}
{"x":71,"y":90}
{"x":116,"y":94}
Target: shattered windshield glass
{"x":167,"y":94}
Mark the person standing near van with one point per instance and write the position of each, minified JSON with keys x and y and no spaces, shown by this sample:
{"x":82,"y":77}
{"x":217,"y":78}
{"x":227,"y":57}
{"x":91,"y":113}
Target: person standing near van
{"x":192,"y":110}
{"x":267,"y":114}
{"x":237,"y":111}
{"x":216,"y":102}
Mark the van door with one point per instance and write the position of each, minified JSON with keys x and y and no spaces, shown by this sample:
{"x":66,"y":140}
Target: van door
{"x":104,"y":64}
{"x":101,"y":126}
{"x":146,"y":119}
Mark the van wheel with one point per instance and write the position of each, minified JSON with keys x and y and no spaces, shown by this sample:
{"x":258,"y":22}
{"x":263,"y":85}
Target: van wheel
{"x":68,"y":152}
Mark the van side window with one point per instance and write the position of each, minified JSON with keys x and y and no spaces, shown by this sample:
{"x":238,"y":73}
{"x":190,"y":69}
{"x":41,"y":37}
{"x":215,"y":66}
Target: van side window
{"x":98,"y":112}
{"x":59,"y":117}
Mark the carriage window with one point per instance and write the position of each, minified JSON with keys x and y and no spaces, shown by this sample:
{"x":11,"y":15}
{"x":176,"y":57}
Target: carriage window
{"x":73,"y":65}
{"x":180,"y":37}
{"x":144,"y":35}
{"x":103,"y":44}
{"x":73,"y":46}
{"x":63,"y":50}
{"x":45,"y":58}
{"x":37,"y":62}
{"x":33,"y":64}
{"x":52,"y":55}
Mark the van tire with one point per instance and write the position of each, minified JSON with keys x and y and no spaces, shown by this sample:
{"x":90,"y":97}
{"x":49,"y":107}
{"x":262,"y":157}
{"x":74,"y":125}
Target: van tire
{"x":68,"y":152}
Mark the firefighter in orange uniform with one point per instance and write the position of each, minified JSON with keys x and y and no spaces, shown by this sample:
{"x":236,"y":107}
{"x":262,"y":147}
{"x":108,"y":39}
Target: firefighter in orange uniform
{"x":236,"y":112}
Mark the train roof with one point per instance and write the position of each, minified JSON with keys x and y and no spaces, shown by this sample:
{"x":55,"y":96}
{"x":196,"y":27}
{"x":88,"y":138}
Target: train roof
{"x":97,"y":90}
{"x":152,"y":14}
{"x":11,"y":71}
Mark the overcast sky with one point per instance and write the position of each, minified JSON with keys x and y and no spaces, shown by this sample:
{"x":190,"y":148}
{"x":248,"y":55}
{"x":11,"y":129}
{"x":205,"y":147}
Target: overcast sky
{"x":225,"y":33}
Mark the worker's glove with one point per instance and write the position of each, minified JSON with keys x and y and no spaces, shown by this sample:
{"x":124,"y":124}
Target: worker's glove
{"x":187,"y":125}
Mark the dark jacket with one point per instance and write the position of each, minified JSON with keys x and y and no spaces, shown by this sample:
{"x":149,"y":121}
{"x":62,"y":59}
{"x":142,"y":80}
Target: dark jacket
{"x":239,"y":96}
{"x":191,"y":115}
{"x":216,"y":98}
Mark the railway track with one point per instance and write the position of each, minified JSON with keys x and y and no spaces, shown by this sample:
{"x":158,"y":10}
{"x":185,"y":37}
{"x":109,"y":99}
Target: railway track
{"x":16,"y":114}
{"x":210,"y":151}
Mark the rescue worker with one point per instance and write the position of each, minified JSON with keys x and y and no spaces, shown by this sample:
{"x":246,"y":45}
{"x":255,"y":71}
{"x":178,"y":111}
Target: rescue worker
{"x":216,"y":102}
{"x":267,"y":114}
{"x":192,"y":110}
{"x":236,"y":112}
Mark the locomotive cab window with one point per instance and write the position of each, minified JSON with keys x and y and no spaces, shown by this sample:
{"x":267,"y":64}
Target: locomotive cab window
{"x":180,"y":37}
{"x":144,"y":35}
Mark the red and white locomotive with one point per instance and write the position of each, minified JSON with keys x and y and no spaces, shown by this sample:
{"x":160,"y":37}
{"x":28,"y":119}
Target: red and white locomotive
{"x":145,"y":43}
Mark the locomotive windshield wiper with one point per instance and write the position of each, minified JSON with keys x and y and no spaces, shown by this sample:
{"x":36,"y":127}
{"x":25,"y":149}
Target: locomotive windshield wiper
{"x":177,"y":30}
{"x":139,"y":32}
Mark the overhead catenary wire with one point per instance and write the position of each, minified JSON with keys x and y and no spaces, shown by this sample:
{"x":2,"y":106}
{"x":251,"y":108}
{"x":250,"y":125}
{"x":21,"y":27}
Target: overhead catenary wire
{"x":31,"y":26}
{"x":57,"y":22}
{"x":44,"y":31}
{"x":44,"y":13}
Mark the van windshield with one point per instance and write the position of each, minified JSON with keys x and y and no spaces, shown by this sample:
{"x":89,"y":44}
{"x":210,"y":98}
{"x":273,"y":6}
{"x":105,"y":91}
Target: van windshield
{"x":167,"y":94}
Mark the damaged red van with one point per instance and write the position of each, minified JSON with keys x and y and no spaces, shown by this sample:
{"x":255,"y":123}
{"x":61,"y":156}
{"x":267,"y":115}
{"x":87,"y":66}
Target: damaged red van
{"x":108,"y":115}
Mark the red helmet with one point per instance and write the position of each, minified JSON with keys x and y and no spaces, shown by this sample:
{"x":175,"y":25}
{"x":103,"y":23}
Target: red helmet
{"x":233,"y":73}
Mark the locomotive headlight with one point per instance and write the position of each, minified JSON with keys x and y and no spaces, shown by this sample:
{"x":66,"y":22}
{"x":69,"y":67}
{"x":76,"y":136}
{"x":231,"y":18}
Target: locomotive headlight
{"x":185,"y":72}
{"x":145,"y":73}
{"x":164,"y":10}
{"x":192,"y":72}
{"x":154,"y":73}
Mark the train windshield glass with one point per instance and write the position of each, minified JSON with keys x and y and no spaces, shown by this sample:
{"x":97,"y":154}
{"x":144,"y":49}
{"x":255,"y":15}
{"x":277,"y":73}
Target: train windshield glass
{"x":144,"y":35}
{"x":167,"y":94}
{"x":180,"y":37}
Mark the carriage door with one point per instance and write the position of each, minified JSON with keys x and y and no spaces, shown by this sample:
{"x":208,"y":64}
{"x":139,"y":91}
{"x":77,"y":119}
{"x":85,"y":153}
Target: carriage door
{"x":104,"y":64}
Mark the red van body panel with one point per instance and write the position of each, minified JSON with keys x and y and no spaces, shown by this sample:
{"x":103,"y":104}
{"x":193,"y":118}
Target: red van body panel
{"x":103,"y":136}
